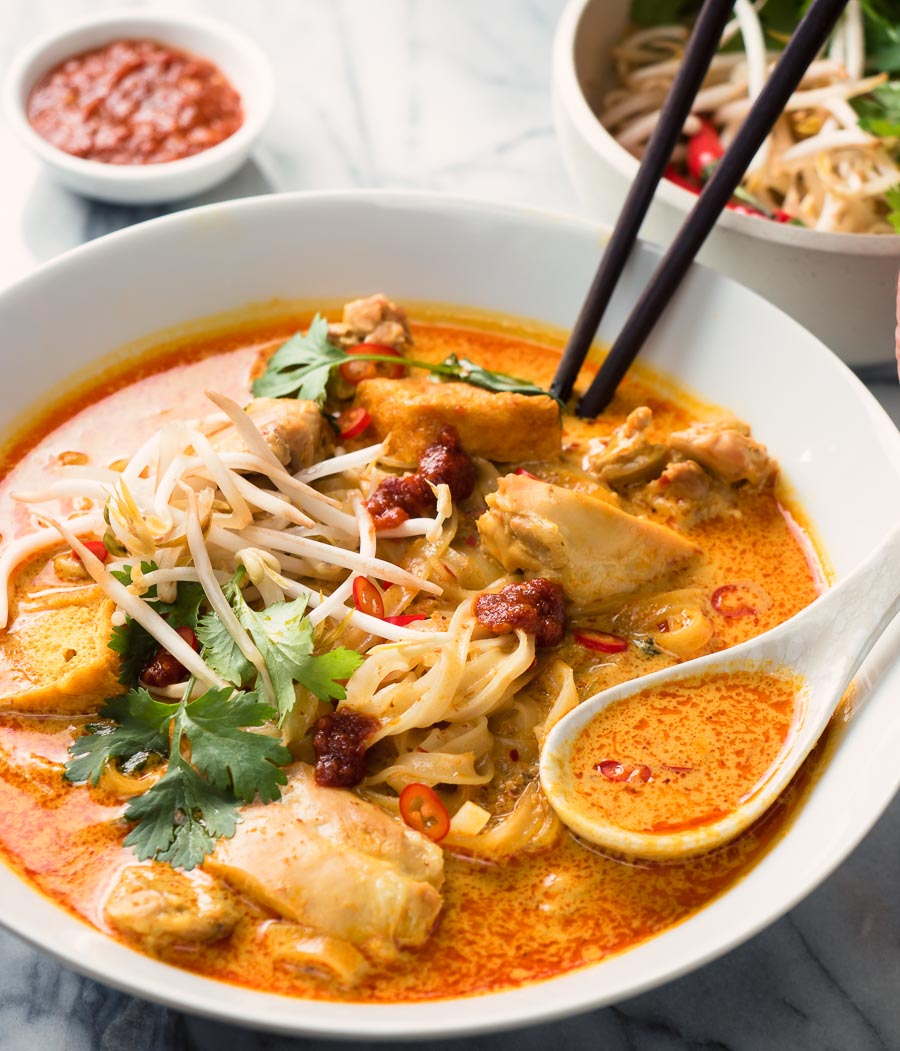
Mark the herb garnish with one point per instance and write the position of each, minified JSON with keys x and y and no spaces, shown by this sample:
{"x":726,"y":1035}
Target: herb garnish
{"x":135,"y":645}
{"x":284,"y":637}
{"x":214,"y":762}
{"x":879,"y":111}
{"x":647,"y":646}
{"x":302,"y":366}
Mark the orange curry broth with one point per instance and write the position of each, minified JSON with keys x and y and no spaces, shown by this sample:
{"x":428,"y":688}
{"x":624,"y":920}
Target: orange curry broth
{"x":502,"y":925}
{"x":676,"y":757}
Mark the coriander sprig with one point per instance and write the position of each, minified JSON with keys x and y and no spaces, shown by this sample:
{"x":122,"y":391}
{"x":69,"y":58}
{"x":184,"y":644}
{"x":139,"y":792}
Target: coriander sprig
{"x":301,"y":367}
{"x":214,"y":762}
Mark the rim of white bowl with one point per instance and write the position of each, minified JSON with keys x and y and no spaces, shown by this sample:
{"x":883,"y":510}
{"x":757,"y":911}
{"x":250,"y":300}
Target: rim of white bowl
{"x":572,"y":993}
{"x":572,"y":97}
{"x":22,"y":77}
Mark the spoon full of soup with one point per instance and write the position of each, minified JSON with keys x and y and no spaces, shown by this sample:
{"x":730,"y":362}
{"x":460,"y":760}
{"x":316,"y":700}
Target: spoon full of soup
{"x":682,"y":761}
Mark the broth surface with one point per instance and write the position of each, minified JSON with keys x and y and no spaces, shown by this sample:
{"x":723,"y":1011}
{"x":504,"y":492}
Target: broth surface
{"x":673,"y":758}
{"x":503,"y":924}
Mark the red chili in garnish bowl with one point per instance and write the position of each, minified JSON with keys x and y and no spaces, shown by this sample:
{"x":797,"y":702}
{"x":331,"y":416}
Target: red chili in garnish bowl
{"x":143,"y":107}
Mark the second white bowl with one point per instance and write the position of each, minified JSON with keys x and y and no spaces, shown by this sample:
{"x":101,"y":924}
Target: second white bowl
{"x":842,"y":287}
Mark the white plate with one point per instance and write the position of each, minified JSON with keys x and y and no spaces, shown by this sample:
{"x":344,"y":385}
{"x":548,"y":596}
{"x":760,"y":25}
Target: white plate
{"x":836,"y":445}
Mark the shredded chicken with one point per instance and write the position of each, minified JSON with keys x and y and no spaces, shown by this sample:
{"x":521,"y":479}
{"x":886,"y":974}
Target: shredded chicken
{"x":336,"y":864}
{"x":161,"y":907}
{"x":726,"y":449}
{"x":628,"y":457}
{"x":374,"y":319}
{"x":296,"y":431}
{"x":686,"y":494}
{"x":588,"y":546}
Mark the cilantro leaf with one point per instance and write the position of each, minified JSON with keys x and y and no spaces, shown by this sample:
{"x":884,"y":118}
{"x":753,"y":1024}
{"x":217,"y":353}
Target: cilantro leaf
{"x":284,"y":637}
{"x":324,"y":675}
{"x":468,"y":372}
{"x":220,"y":651}
{"x":143,"y":727}
{"x":893,"y":199}
{"x":135,"y":646}
{"x":879,"y":111}
{"x":180,"y":818}
{"x":228,"y":756}
{"x":301,"y":366}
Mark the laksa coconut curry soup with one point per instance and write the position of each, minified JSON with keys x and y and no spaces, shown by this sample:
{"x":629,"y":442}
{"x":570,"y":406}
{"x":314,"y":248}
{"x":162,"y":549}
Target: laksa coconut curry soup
{"x":288,"y":612}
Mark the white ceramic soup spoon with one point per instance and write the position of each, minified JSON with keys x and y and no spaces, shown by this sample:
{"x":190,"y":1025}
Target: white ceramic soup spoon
{"x":819,"y":651}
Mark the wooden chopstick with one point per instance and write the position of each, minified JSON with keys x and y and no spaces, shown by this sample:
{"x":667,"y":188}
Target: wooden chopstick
{"x":801,"y":49}
{"x":702,"y":45}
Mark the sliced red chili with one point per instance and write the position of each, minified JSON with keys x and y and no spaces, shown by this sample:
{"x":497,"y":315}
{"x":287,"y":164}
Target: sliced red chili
{"x":528,"y":474}
{"x":367,"y":598}
{"x":611,"y":769}
{"x":601,"y":641}
{"x":745,"y":209}
{"x":352,"y":422}
{"x":189,"y":637}
{"x":740,"y":600}
{"x":422,"y":810}
{"x":402,"y":619}
{"x":703,"y":150}
{"x":675,"y":176}
{"x":96,"y":547}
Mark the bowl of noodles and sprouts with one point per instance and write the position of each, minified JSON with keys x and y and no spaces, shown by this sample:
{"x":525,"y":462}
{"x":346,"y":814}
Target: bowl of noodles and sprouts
{"x":815,"y":225}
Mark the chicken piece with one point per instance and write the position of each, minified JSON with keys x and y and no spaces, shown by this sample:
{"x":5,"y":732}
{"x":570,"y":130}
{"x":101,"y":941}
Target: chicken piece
{"x":296,"y":431}
{"x":336,"y":864}
{"x":161,"y":907}
{"x":588,"y":546}
{"x":726,"y":449}
{"x":374,"y":319}
{"x":627,"y":457}
{"x":503,"y":427}
{"x":54,"y":657}
{"x":686,"y":494}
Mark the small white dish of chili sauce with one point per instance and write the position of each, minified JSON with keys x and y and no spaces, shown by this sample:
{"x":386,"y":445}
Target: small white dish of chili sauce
{"x":138,"y":108}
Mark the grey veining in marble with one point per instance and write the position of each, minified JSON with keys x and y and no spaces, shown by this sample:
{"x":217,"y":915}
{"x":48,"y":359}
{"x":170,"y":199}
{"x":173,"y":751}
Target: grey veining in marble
{"x":451,"y":96}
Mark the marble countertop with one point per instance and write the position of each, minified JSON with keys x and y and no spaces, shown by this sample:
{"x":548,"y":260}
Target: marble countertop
{"x":446,"y":96}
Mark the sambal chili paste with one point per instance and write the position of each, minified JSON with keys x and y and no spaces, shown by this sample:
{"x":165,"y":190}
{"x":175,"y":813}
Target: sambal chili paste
{"x":134,"y":102}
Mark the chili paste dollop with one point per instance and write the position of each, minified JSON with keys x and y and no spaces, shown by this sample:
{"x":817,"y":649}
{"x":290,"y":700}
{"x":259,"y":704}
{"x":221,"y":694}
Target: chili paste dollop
{"x":134,"y":102}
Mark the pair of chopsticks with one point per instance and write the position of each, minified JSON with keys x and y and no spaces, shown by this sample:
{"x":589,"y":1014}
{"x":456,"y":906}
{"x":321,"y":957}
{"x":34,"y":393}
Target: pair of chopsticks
{"x":807,"y":40}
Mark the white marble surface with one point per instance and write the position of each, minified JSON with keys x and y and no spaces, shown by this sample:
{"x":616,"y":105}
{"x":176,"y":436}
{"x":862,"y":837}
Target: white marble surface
{"x":447,"y":96}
